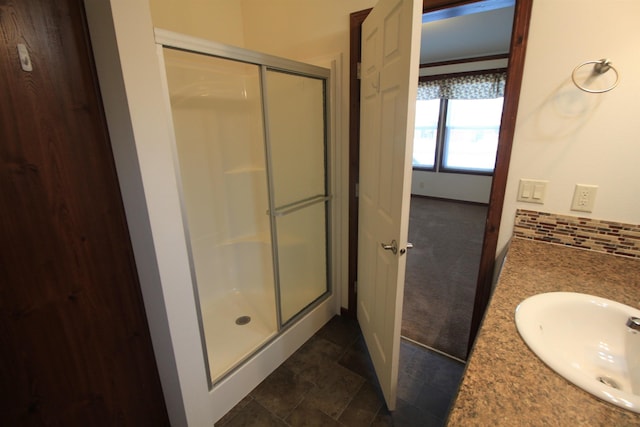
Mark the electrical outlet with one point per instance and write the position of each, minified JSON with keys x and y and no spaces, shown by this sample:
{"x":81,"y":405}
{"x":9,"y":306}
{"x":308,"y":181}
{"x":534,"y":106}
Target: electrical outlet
{"x":584,"y":198}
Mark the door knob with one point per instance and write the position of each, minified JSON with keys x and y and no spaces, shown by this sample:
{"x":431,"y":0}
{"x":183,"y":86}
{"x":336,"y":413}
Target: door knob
{"x":393,"y":246}
{"x":409,"y":246}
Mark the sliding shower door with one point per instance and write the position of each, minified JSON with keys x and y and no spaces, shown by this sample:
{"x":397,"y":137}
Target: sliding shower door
{"x":296,"y":135}
{"x":251,"y":152}
{"x":217,"y":114}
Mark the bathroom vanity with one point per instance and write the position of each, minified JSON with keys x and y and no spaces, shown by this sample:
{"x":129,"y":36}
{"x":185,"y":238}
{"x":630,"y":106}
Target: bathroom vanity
{"x":505,"y":383}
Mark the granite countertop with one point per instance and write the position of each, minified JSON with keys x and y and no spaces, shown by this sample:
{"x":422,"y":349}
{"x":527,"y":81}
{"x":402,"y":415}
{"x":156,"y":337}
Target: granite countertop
{"x":505,"y":383}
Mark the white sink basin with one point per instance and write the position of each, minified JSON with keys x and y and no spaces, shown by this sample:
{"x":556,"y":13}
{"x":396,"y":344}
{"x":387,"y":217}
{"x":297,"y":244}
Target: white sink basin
{"x":585,"y":339}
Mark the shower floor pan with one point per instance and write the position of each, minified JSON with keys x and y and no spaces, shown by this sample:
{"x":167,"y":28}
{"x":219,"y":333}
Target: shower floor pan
{"x":230,"y":339}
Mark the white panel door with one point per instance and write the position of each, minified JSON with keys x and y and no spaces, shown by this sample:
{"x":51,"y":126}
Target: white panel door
{"x":389,"y":81}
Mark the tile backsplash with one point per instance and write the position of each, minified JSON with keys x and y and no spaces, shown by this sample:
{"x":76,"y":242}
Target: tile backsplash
{"x":586,"y":233}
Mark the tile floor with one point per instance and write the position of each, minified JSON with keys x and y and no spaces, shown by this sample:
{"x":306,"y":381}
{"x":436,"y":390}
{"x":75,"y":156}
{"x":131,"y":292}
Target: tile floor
{"x":329,"y":381}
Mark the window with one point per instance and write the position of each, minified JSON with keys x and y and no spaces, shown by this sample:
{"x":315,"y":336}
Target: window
{"x":457,"y":126}
{"x":471,"y":134}
{"x":424,"y":138}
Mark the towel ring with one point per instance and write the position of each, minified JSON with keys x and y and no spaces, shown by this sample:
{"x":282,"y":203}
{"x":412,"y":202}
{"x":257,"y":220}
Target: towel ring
{"x":600,"y":67}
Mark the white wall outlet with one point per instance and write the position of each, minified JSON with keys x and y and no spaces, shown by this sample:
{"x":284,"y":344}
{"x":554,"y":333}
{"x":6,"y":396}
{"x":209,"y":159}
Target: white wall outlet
{"x":532,"y":191}
{"x":584,"y":198}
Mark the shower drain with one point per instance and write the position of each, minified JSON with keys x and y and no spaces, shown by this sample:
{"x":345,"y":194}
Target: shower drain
{"x":610,"y":382}
{"x":243,"y":320}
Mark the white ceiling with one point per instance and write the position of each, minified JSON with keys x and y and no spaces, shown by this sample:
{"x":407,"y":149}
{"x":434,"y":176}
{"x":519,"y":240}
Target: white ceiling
{"x":467,"y":36}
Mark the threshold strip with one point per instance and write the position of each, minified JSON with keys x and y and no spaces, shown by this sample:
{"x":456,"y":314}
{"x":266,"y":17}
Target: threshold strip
{"x":435,"y":350}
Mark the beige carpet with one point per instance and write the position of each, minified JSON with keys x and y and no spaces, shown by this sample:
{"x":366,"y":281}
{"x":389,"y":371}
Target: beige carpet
{"x":442,"y":272}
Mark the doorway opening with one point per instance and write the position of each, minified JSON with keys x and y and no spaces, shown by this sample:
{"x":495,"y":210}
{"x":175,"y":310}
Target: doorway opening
{"x":463,"y":59}
{"x":441,"y":273}
{"x":483,"y":284}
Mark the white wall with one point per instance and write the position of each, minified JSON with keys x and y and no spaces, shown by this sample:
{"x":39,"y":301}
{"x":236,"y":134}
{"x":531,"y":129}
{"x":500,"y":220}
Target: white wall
{"x":454,"y":186}
{"x":300,"y":29}
{"x":219,"y":20}
{"x":566,"y":136}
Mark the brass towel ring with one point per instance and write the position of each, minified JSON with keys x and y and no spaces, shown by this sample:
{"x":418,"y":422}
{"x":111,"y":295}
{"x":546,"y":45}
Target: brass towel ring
{"x":600,"y":67}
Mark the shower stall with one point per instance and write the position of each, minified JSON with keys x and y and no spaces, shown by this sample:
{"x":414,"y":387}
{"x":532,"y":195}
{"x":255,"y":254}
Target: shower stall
{"x":251,"y":153}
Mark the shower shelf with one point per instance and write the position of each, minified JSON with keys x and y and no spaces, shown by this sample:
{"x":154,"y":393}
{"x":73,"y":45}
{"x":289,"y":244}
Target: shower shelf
{"x":244,"y":170}
{"x":256,"y":238}
{"x":282,"y":239}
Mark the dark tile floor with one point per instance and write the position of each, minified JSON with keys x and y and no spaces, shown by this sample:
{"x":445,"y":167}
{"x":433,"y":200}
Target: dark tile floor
{"x":329,"y":381}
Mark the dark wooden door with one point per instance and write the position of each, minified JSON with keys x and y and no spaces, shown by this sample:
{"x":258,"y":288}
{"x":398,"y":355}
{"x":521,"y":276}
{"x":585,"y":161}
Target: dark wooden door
{"x":75,"y":348}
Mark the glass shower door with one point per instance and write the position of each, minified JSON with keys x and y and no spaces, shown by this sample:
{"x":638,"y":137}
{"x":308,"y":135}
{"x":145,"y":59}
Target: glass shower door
{"x":217,"y":115}
{"x":297,"y":149}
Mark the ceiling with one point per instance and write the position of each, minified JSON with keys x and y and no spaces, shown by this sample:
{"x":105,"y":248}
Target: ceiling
{"x":466,"y":36}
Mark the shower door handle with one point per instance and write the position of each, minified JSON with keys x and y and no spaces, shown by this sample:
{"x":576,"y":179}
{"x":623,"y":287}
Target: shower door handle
{"x":393,"y":246}
{"x":300,"y":204}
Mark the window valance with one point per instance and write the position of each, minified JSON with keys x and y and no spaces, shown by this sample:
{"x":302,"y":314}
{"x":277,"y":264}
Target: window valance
{"x":477,"y":86}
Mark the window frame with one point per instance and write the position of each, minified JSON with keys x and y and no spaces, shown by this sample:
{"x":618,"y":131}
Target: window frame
{"x":438,"y":164}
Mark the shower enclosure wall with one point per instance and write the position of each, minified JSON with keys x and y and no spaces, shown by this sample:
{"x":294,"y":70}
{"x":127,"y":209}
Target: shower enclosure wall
{"x":251,"y":151}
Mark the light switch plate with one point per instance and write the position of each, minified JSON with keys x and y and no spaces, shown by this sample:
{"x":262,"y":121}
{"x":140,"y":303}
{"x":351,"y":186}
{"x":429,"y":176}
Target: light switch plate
{"x":532,"y":191}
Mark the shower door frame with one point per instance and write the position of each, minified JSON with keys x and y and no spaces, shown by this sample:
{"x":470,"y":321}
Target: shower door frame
{"x":265,"y":62}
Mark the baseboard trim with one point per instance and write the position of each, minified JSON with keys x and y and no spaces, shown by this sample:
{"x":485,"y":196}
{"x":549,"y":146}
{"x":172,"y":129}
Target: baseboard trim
{"x":444,"y":199}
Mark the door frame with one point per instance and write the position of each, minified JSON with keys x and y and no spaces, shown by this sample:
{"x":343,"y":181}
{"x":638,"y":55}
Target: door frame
{"x":517,"y":51}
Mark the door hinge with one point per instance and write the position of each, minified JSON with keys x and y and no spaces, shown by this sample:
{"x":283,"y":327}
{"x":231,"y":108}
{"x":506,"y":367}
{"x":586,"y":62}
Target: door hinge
{"x":357,"y":190}
{"x":355,"y":287}
{"x":359,"y":70}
